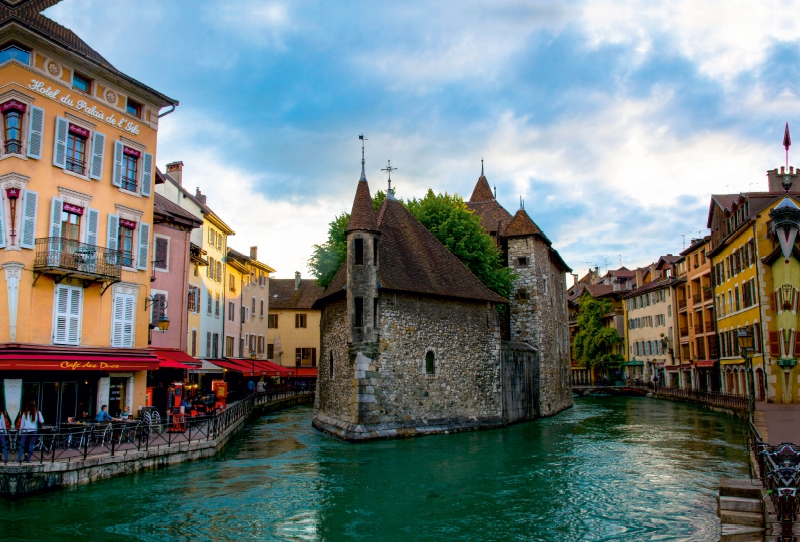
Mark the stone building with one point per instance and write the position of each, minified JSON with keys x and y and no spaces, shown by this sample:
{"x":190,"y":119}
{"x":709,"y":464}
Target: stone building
{"x":411,"y":342}
{"x":537,"y":313}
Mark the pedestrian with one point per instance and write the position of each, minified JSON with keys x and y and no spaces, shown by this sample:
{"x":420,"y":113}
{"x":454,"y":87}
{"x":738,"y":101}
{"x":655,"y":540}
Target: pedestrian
{"x":251,"y":386}
{"x":261,"y":387}
{"x":29,"y":424}
{"x":5,"y":425}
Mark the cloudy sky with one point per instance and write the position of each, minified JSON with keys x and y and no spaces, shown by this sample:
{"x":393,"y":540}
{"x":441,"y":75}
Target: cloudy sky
{"x":613,"y":120}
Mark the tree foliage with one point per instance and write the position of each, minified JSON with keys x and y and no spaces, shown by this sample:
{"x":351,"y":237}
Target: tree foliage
{"x":594,"y":342}
{"x":450,"y":221}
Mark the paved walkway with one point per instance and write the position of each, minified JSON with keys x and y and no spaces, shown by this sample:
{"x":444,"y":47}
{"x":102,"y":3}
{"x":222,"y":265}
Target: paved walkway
{"x":778,"y":422}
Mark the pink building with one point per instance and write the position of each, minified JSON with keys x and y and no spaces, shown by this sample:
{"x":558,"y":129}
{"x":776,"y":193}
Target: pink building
{"x":172,"y":228}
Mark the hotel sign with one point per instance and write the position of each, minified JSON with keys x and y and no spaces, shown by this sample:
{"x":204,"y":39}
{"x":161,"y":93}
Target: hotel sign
{"x":83,"y":107}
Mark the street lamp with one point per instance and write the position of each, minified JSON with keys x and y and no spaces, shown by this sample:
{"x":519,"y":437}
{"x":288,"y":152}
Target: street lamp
{"x":159,"y":302}
{"x":745,"y":340}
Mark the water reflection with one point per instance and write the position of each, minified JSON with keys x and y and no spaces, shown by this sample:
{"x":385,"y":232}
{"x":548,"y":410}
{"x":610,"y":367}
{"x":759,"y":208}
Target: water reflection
{"x":609,"y":469}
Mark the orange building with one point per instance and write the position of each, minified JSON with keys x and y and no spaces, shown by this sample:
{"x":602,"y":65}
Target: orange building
{"x":77,"y":159}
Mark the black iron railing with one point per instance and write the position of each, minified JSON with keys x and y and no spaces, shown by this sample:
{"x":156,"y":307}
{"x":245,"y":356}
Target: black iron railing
{"x":76,"y":166}
{"x":76,"y":442}
{"x":779,"y":471}
{"x":725,"y":400}
{"x":129,"y":184}
{"x":65,"y":254}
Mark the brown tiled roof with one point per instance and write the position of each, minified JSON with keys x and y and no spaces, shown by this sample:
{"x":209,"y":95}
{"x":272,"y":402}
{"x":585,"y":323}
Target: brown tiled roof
{"x":412,"y":260}
{"x":493,"y":216}
{"x":282,"y":294}
{"x":522,"y":225}
{"x":599,"y":290}
{"x":650,"y":286}
{"x":168,"y":210}
{"x":482,"y":191}
{"x":362,"y":217}
{"x":27,"y":13}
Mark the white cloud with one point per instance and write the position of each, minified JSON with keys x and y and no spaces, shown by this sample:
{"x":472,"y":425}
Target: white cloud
{"x":724,"y":39}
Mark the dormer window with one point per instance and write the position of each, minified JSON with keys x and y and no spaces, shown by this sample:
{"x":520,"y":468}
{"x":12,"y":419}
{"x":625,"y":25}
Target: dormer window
{"x":133,"y":108}
{"x":82,"y":83}
{"x":15,"y":52}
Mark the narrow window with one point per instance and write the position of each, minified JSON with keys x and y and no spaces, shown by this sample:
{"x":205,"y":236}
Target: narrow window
{"x":215,"y":345}
{"x":133,"y":108}
{"x":359,"y":246}
{"x":208,"y":344}
{"x":270,"y":351}
{"x":194,"y":342}
{"x":522,"y":262}
{"x":210,"y":303}
{"x":330,"y":364}
{"x":82,"y":83}
{"x":359,"y":307}
{"x":231,"y":312}
{"x":375,"y":252}
{"x":12,"y":127}
{"x":430,"y":363}
{"x":130,"y":169}
{"x":253,"y":306}
{"x":162,"y":248}
{"x":71,"y":224}
{"x":126,"y":242}
{"x":76,"y":149}
{"x":229,"y":346}
{"x":261,"y":309}
{"x":272,"y":321}
{"x":216,"y":306}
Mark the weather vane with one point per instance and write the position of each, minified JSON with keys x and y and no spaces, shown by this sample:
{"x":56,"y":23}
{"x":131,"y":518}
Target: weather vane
{"x":389,"y":170}
{"x":363,"y":173}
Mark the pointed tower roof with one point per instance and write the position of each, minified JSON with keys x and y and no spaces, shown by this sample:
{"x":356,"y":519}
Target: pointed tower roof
{"x":482,"y":192}
{"x":522,"y":225}
{"x":362,"y":217}
{"x":494,"y":218}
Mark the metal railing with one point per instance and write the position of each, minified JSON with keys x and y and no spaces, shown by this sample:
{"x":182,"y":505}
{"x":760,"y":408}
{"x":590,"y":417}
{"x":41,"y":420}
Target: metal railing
{"x":13,"y":146}
{"x":696,"y":299}
{"x":684,"y":331}
{"x":76,"y":166}
{"x":126,"y":183}
{"x":76,"y":442}
{"x":725,"y":400}
{"x":779,"y":471}
{"x":60,"y":253}
{"x":681,"y":304}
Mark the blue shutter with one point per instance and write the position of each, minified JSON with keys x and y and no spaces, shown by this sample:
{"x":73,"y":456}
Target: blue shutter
{"x":2,"y":228}
{"x":29,"y":208}
{"x":91,"y":232}
{"x":60,"y":143}
{"x":147,"y":174}
{"x":98,"y":152}
{"x":144,"y":245}
{"x":35,"y":132}
{"x":116,"y":178}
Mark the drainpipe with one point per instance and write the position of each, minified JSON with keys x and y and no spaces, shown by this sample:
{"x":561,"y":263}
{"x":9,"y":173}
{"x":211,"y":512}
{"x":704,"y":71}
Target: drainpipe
{"x":165,"y":113}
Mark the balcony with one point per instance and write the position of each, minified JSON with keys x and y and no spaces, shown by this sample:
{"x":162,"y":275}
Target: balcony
{"x":708,"y":295}
{"x":681,"y":304}
{"x":76,"y":166}
{"x":13,"y":146}
{"x":128,"y":184}
{"x":696,"y":299}
{"x":64,"y":258}
{"x":684,"y":332}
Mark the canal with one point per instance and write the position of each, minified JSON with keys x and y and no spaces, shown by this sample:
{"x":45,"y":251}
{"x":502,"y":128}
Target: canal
{"x":608,"y":469}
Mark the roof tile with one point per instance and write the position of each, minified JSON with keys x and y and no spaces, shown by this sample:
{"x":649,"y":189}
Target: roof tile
{"x":362,"y":217}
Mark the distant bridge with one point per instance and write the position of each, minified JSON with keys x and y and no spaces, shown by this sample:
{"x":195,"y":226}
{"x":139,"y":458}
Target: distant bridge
{"x":625,"y":391}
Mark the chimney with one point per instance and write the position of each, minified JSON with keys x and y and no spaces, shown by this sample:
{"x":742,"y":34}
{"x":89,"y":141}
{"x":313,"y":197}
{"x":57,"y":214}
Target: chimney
{"x":639,"y":277}
{"x":254,"y":253}
{"x":175,"y":170}
{"x":200,"y":196}
{"x":775,"y":179}
{"x":296,"y":280}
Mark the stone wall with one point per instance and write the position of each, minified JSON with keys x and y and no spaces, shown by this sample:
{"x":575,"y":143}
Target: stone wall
{"x":335,"y":397}
{"x":540,"y":319}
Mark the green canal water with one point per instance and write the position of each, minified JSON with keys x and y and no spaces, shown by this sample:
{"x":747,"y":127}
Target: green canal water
{"x":607,"y":469}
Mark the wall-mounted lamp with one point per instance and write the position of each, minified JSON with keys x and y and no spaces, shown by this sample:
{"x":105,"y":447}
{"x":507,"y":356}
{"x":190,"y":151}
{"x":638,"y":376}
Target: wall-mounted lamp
{"x":160,"y":303}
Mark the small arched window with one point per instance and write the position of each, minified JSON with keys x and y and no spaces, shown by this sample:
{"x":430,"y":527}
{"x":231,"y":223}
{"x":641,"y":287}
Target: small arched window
{"x":330,"y":365}
{"x":430,"y":363}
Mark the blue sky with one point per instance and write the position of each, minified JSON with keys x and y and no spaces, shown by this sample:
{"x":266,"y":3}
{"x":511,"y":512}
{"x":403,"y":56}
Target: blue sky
{"x":614,"y":120}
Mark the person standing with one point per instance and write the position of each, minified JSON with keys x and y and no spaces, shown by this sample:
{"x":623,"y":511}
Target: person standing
{"x":5,"y":425}
{"x":28,"y":428}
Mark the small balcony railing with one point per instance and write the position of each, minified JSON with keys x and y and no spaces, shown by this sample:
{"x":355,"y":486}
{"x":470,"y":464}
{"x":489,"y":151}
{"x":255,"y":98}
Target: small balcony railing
{"x":707,"y":294}
{"x":13,"y":146}
{"x":681,"y":304}
{"x":76,"y":166}
{"x":128,"y":184}
{"x":696,"y":299}
{"x":684,"y":331}
{"x":61,"y":256}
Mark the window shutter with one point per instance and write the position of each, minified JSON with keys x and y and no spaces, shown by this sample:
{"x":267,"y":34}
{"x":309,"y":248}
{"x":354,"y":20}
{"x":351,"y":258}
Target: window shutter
{"x":208,"y":344}
{"x":144,"y":244}
{"x":30,"y":207}
{"x":796,"y":344}
{"x":60,"y":143}
{"x":98,"y":151}
{"x":113,"y":232}
{"x":2,"y":229}
{"x":74,"y":317}
{"x":147,"y":174}
{"x":36,"y":132}
{"x":91,"y":230}
{"x":61,"y":319}
{"x":161,"y":252}
{"x":117,"y":320}
{"x":774,"y":344}
{"x":313,"y":357}
{"x":54,"y":250}
{"x":297,"y":357}
{"x":116,"y":179}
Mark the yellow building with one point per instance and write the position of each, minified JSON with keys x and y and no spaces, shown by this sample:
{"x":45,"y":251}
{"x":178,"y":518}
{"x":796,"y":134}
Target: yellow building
{"x":77,"y":164}
{"x":755,"y":289}
{"x":255,"y":300}
{"x":293,"y":333}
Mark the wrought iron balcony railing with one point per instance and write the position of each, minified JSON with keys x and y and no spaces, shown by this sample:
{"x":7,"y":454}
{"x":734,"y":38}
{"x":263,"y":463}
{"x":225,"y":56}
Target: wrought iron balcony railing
{"x":128,"y":184}
{"x":13,"y":146}
{"x":76,"y":166}
{"x":681,"y":304}
{"x":59,"y":256}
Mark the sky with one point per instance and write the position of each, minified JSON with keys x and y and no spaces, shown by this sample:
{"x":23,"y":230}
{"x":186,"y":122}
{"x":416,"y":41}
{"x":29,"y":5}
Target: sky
{"x":614,"y":120}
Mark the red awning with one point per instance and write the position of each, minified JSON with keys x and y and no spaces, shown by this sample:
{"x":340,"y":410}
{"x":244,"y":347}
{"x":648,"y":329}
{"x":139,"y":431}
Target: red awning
{"x":78,"y":361}
{"x":172,"y":358}
{"x":262,"y":367}
{"x":169,"y":364}
{"x":228,"y":364}
{"x":705,"y":363}
{"x":309,"y":372}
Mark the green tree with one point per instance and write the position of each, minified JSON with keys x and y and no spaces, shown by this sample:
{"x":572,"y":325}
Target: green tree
{"x":594,"y":342}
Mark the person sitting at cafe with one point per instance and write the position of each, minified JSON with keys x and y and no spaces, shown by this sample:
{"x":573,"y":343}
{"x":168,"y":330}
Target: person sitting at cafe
{"x":5,"y":425}
{"x":104,"y":416}
{"x":125,"y":414}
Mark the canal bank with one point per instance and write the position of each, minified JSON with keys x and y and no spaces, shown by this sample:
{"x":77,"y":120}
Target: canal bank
{"x":111,"y":455}
{"x":622,"y":469}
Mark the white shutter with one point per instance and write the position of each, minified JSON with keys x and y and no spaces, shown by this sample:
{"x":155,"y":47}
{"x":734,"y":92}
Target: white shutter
{"x":54,"y":232}
{"x":67,"y":315}
{"x":116,"y":179}
{"x":144,"y":245}
{"x":35,"y":132}
{"x":98,"y":151}
{"x":91,"y":231}
{"x":147,"y":174}
{"x":122,"y":321}
{"x":2,"y":228}
{"x":29,"y":210}
{"x":60,"y":143}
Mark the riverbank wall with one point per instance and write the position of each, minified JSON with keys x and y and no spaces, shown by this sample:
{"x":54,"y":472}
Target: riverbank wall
{"x":19,"y":480}
{"x":733,"y":405}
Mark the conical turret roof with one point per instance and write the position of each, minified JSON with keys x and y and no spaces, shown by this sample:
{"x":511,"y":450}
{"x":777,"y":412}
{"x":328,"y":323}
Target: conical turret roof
{"x":482,"y":192}
{"x":522,"y":225}
{"x":362,"y":217}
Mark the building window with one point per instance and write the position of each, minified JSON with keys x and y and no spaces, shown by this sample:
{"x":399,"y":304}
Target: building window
{"x":261,"y":309}
{"x":208,"y":344}
{"x":14,"y":52}
{"x":192,"y":301}
{"x":133,"y":108}
{"x":71,"y":223}
{"x":272,"y":321}
{"x":305,"y":357}
{"x":522,"y":262}
{"x":122,"y":320}
{"x":522,"y":294}
{"x":231,"y":311}
{"x":299,"y":320}
{"x":359,"y":311}
{"x":375,"y":252}
{"x":232,"y":283}
{"x":82,"y":83}
{"x":216,"y":306}
{"x":194,"y":342}
{"x":330,"y":364}
{"x":12,"y":128}
{"x":67,"y":318}
{"x":229,"y":347}
{"x":210,"y":303}
{"x":430,"y":363}
{"x":375,"y":312}
{"x":161,"y":253}
{"x":126,"y":242}
{"x":215,"y":344}
{"x":130,"y":165}
{"x":158,"y":308}
{"x":253,"y":306}
{"x":359,"y":250}
{"x":270,"y":351}
{"x":260,"y":345}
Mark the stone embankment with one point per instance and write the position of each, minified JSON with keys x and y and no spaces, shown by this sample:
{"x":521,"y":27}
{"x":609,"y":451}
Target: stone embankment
{"x":96,"y":455}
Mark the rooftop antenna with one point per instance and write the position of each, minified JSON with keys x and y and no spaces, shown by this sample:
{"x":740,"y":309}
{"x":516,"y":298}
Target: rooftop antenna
{"x":482,"y":167}
{"x":389,"y":169}
{"x":495,"y":191}
{"x":605,"y":263}
{"x":363,"y":174}
{"x":787,"y":142}
{"x":521,"y":203}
